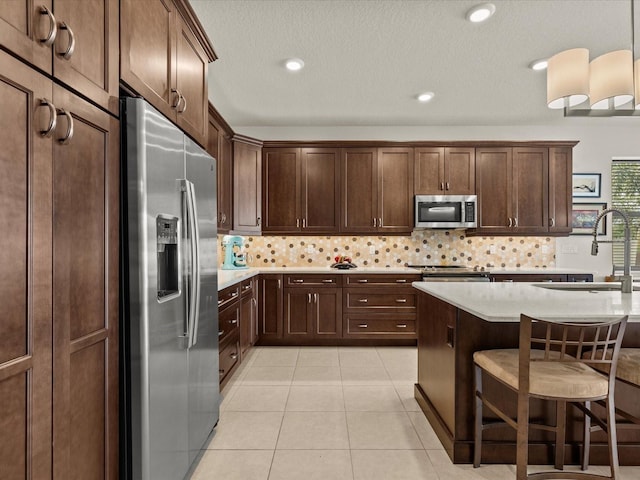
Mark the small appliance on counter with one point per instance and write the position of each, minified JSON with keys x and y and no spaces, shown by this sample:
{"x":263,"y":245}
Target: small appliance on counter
{"x":234,"y":259}
{"x":343,"y":263}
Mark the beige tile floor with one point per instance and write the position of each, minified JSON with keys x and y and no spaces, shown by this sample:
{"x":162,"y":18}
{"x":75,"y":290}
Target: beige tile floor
{"x":332,"y":413}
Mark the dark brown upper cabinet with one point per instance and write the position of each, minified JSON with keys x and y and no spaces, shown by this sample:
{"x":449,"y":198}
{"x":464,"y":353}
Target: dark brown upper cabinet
{"x":75,"y":42}
{"x":445,"y":171}
{"x":220,"y":147}
{"x":301,"y":190}
{"x":247,"y":185}
{"x":165,"y":59}
{"x":524,"y":190}
{"x":377,"y":190}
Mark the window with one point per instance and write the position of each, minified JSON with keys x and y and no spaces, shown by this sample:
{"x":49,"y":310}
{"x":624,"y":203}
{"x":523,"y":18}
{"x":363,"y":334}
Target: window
{"x":625,"y":196}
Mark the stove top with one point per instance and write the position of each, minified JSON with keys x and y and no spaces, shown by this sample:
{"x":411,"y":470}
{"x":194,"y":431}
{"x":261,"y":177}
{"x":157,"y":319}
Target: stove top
{"x":450,"y":270}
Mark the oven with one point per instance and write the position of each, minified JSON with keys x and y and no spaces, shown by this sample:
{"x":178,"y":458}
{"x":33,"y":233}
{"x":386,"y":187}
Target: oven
{"x":451,"y":273}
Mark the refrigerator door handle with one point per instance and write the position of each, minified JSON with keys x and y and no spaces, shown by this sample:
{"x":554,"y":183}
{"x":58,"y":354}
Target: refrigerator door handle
{"x":194,"y":292}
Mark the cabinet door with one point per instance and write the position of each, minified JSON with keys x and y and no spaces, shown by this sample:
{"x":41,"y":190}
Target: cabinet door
{"x":560,"y":194}
{"x":320,"y":190}
{"x":281,"y":190}
{"x":225,"y":184}
{"x":247,"y":187}
{"x":531,"y":190}
{"x":395,"y":190}
{"x":270,"y":306}
{"x":24,"y":24}
{"x":91,"y":67}
{"x":326,"y":305}
{"x":494,"y":188}
{"x":85,"y":292}
{"x":460,"y":171}
{"x":148,"y":59}
{"x":192,"y":65}
{"x":246,"y":323}
{"x":359,"y":185}
{"x":298,"y":314}
{"x":25,"y":256}
{"x":429,"y":171}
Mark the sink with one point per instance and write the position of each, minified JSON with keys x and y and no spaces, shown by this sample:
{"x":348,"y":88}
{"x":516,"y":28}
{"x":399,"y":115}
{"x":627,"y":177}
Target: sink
{"x":585,"y":287}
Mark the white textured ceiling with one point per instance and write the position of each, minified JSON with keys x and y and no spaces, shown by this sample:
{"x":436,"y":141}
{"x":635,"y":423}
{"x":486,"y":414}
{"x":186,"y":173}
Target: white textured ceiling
{"x":366,"y":60}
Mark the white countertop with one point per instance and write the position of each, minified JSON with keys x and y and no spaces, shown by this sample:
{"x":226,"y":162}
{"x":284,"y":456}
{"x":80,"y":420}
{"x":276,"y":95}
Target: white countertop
{"x":226,"y":278}
{"x":504,"y":302}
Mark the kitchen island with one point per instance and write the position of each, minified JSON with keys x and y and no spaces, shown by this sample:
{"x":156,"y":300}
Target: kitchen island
{"x":457,"y":319}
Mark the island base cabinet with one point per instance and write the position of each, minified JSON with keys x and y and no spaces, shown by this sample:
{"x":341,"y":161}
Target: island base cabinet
{"x":447,"y":338}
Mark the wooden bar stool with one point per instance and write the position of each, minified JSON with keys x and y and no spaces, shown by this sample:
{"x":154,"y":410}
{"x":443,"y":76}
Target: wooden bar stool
{"x":549,"y":365}
{"x":627,"y":371}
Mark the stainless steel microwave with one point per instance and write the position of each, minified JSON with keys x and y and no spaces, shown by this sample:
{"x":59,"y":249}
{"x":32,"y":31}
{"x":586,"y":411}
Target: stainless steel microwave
{"x":446,"y":211}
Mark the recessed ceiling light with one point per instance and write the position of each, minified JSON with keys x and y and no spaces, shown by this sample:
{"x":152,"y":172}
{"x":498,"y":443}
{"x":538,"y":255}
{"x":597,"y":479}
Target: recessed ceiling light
{"x":425,"y":97}
{"x":294,"y":64}
{"x":540,"y":64}
{"x":481,"y":12}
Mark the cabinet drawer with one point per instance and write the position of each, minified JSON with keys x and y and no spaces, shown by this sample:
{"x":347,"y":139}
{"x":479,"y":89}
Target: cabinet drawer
{"x":246,"y":287}
{"x":377,"y":326}
{"x":229,"y":357}
{"x":228,"y":295}
{"x":315,"y":280}
{"x":228,"y":322}
{"x":361,"y":298}
{"x":380,"y":280}
{"x":528,"y":277}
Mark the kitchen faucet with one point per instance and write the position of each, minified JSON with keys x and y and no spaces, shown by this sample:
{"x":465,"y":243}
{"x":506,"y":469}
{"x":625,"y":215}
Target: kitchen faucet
{"x":626,"y":278}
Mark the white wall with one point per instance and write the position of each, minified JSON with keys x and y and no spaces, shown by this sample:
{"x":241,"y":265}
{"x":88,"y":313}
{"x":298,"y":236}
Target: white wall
{"x":600,"y":141}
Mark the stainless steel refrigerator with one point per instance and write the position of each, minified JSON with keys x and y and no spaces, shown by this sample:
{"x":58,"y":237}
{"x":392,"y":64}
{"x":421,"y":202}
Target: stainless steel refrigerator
{"x":170,"y":328}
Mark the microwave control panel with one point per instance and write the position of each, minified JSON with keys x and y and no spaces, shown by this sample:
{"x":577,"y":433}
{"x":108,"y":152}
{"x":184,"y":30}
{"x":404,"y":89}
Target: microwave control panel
{"x":469,"y":211}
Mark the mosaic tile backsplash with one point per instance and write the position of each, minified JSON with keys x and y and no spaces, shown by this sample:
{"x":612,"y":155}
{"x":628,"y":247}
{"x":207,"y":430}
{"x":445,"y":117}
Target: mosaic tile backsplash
{"x":423,"y":247}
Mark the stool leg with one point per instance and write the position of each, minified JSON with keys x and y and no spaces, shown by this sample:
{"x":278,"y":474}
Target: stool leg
{"x":586,"y":437}
{"x":561,"y":414}
{"x":477,"y":443}
{"x":613,"y":437}
{"x":522,"y":439}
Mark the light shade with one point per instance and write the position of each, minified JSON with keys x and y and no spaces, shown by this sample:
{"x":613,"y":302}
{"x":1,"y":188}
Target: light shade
{"x":568,"y":78}
{"x":611,"y":77}
{"x":637,"y":77}
{"x":481,"y":12}
{"x":425,"y":97}
{"x":294,"y":64}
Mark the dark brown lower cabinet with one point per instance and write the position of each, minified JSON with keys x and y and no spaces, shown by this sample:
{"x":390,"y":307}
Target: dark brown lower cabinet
{"x":58,"y":335}
{"x":248,"y":315}
{"x":312,"y":314}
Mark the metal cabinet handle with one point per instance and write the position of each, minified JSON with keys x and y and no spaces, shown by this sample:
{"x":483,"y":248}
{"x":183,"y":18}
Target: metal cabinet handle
{"x":507,"y":281}
{"x":327,"y":280}
{"x":401,"y":280}
{"x":363,"y":300}
{"x":510,"y":222}
{"x":71,"y":46}
{"x":401,"y":325}
{"x":304,"y":223}
{"x":375,"y":222}
{"x":363,"y":280}
{"x":298,"y":280}
{"x":184,"y":104}
{"x":380,"y":222}
{"x":552,"y":222}
{"x":53,"y":27}
{"x":233,"y":356}
{"x":234,"y":294}
{"x":224,"y":217}
{"x":515,"y":221}
{"x":278,"y":284}
{"x":297,"y":223}
{"x":315,"y":298}
{"x":220,"y":333}
{"x":447,"y":184}
{"x":177,"y":98}
{"x":53,"y":118}
{"x":401,"y":300}
{"x":233,"y":322}
{"x":308,"y":298}
{"x":69,"y":134}
{"x":441,"y":185}
{"x":363,"y":325}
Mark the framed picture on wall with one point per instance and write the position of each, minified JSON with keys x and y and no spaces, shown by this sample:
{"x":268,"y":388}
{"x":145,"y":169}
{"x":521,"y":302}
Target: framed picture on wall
{"x":584,"y":218}
{"x":586,"y":185}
